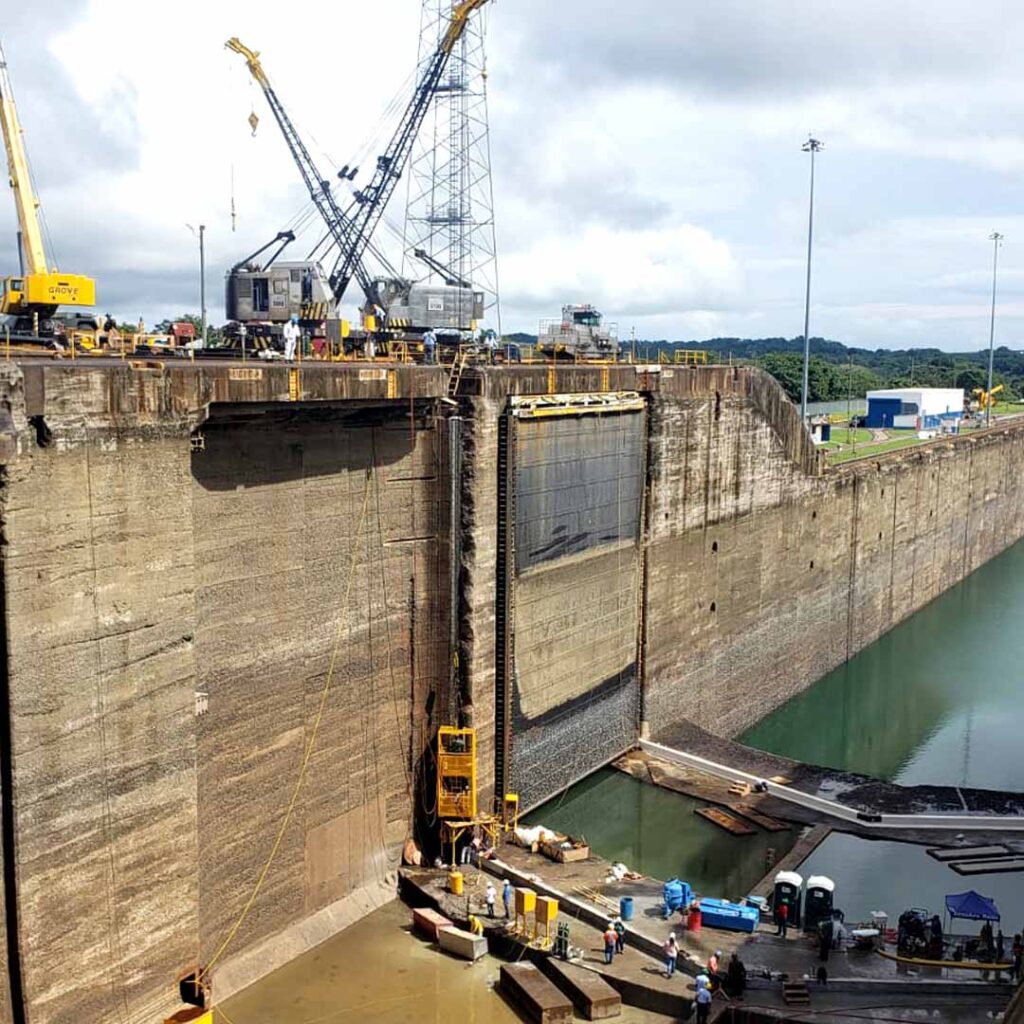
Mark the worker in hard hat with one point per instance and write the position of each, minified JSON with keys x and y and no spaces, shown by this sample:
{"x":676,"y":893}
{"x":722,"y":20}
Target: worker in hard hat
{"x":670,"y":948}
{"x":610,"y":939}
{"x":291,"y":338}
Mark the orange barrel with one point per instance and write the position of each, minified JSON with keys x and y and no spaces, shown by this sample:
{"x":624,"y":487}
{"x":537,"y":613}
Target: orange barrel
{"x":693,"y":919}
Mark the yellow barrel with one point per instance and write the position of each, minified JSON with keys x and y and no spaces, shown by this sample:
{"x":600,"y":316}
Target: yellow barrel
{"x":455,"y":882}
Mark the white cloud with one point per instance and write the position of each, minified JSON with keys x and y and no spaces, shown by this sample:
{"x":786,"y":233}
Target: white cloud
{"x":646,"y":158}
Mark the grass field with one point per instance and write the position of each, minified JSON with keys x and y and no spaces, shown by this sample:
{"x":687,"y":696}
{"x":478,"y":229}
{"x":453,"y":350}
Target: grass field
{"x":847,"y":454}
{"x":842,"y":435}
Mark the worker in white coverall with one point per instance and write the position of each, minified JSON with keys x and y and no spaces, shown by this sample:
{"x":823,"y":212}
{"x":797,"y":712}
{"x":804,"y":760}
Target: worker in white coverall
{"x":291,"y":338}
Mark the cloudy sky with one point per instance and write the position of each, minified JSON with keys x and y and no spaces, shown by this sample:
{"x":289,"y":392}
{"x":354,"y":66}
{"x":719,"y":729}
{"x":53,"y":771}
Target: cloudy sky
{"x":646,"y":155}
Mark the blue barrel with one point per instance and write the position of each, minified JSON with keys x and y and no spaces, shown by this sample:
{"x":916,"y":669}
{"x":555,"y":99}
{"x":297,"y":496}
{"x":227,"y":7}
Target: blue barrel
{"x":626,"y":908}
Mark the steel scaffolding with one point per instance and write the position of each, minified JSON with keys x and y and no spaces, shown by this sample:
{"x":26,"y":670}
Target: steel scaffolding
{"x":450,"y":205}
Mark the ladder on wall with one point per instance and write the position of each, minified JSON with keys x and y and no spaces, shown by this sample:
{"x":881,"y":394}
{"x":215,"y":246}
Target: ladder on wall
{"x":455,"y":377}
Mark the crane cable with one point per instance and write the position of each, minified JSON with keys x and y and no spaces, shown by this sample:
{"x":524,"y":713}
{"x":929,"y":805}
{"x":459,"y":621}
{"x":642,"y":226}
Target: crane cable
{"x":309,"y":746}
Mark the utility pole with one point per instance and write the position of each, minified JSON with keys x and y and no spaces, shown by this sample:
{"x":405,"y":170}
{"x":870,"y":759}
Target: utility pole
{"x":632,"y":341}
{"x":850,"y":434}
{"x":202,"y":279}
{"x":995,"y":238}
{"x":812,"y":146}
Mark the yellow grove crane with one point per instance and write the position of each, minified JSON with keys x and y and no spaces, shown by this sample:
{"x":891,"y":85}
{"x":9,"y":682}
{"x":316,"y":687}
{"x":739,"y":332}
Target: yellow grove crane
{"x":986,"y":398}
{"x":35,"y":294}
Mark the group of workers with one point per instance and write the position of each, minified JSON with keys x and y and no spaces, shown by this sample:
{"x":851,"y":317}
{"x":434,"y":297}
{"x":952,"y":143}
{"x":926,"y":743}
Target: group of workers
{"x":292,"y":335}
{"x":491,"y":897}
{"x":614,"y":939}
{"x":710,"y":978}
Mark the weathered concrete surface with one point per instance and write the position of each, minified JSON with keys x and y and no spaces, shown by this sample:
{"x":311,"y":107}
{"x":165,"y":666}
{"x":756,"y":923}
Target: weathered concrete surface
{"x":6,"y":1016}
{"x":762,"y":578}
{"x":171,"y":619}
{"x":100,"y":618}
{"x":316,"y":551}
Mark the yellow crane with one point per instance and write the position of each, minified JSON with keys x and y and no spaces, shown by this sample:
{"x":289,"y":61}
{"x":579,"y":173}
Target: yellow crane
{"x":986,"y":398}
{"x":36,"y":293}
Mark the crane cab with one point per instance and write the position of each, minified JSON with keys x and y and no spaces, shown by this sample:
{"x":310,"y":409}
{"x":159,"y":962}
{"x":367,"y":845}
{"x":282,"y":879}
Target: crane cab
{"x":278,"y":292}
{"x":43,"y":293}
{"x":416,"y":308}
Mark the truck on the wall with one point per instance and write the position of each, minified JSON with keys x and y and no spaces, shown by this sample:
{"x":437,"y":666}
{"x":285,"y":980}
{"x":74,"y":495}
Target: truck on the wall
{"x":580,"y":334}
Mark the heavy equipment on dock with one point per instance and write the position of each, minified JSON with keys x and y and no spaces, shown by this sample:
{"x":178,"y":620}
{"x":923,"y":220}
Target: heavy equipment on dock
{"x":30,"y":299}
{"x":580,"y":334}
{"x":395,"y":308}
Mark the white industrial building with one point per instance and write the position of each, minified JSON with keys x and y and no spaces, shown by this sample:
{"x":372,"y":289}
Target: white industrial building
{"x":915,"y":408}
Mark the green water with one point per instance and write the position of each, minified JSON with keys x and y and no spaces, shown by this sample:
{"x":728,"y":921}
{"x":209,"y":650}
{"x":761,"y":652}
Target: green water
{"x":940,"y":699}
{"x":654,"y":831}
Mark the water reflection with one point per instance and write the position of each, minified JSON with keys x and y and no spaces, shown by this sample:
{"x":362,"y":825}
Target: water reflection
{"x":894,"y":876}
{"x":936,"y":700}
{"x":655,"y":831}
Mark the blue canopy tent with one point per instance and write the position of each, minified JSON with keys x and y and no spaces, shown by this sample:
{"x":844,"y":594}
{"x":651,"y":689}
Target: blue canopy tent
{"x":972,"y":906}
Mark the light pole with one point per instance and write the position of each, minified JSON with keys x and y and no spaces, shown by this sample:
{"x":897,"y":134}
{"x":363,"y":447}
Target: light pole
{"x":202,"y":277}
{"x":812,"y":146}
{"x":995,"y":238}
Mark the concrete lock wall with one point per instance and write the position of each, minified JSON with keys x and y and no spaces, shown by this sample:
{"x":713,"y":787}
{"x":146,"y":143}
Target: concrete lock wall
{"x":761,"y":572}
{"x":762,"y":577}
{"x":170,"y":618}
{"x":318,"y":555}
{"x":183,"y":546}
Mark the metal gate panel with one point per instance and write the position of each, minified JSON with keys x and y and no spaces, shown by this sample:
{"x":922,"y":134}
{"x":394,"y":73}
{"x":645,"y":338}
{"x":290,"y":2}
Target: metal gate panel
{"x":569,"y":581}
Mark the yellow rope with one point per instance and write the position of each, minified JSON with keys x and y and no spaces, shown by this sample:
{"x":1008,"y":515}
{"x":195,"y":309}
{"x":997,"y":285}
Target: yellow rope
{"x":309,"y":746}
{"x":960,"y":965}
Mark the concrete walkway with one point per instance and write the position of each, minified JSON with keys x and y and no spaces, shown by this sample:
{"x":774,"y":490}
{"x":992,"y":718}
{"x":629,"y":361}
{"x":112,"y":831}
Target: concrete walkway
{"x":840,"y":812}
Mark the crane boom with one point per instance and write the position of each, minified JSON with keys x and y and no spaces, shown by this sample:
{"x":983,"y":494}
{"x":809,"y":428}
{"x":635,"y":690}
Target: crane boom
{"x":36,"y":293}
{"x":317,"y":185}
{"x":370,"y":202}
{"x":17,"y":164}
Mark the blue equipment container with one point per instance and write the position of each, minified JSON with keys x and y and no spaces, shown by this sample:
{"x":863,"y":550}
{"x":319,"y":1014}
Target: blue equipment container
{"x":676,"y":894}
{"x":732,"y":916}
{"x":626,"y":908}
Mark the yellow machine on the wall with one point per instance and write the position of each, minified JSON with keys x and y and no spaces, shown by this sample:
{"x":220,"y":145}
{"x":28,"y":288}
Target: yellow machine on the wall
{"x":986,"y":398}
{"x":37,"y":293}
{"x":456,"y":772}
{"x":457,"y":791}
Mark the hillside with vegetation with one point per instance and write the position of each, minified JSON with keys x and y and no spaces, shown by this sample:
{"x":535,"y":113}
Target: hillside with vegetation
{"x":837,"y":370}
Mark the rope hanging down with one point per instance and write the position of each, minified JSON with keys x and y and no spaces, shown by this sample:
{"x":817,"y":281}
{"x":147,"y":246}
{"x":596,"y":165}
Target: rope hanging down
{"x":309,"y":746}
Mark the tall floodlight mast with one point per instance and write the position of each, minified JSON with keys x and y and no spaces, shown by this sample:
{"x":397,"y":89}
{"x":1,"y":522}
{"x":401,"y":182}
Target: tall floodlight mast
{"x":450,"y":206}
